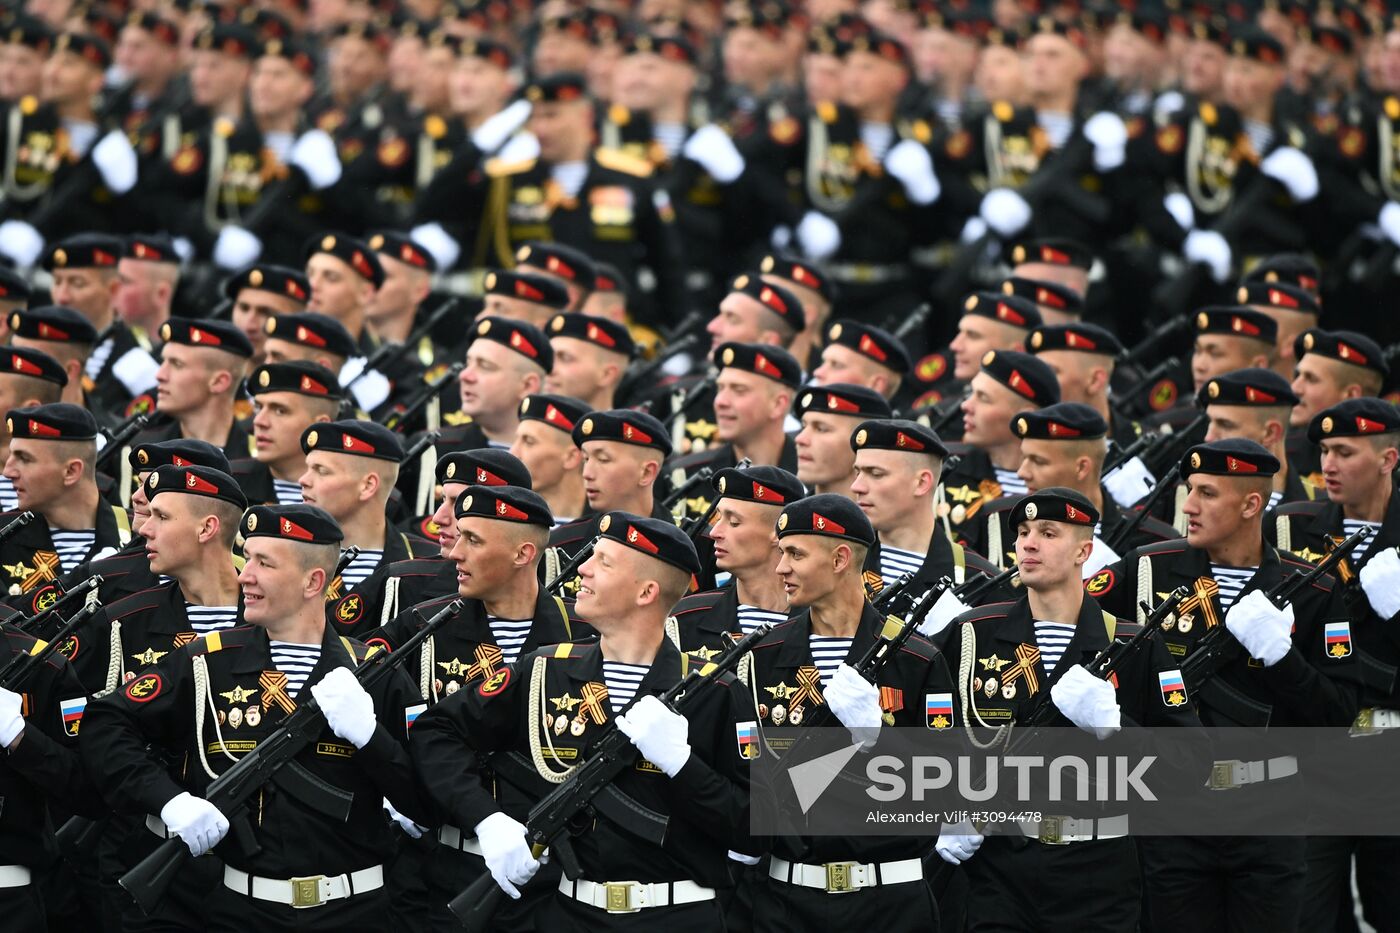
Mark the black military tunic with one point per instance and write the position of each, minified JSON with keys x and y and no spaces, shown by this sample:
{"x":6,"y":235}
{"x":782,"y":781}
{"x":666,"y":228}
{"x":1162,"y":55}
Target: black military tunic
{"x":357,"y":610}
{"x":239,"y":444}
{"x":39,"y":165}
{"x":943,"y":558}
{"x":410,"y":582}
{"x":400,"y":158}
{"x":968,"y":487}
{"x":717,"y":458}
{"x":704,"y":619}
{"x":254,"y":478}
{"x":29,"y":560}
{"x":110,"y":397}
{"x":124,"y":572}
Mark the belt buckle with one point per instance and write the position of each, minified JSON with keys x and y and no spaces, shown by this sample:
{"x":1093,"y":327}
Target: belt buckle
{"x":1051,"y":830}
{"x":1222,"y":776}
{"x":1365,"y":723}
{"x":619,"y":898}
{"x":306,"y":892}
{"x":839,"y":877}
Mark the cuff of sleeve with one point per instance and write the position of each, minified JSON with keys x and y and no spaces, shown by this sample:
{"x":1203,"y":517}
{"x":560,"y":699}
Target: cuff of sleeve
{"x":1291,"y":669}
{"x":692,"y":776}
{"x":381,"y":746}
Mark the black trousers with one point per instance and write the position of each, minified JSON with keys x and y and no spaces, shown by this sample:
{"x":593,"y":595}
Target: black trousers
{"x":889,"y":908}
{"x":1327,"y":900}
{"x":1225,"y":884}
{"x":563,"y":914}
{"x":235,"y":913}
{"x":446,"y":872}
{"x":1038,"y":888}
{"x":22,"y":909}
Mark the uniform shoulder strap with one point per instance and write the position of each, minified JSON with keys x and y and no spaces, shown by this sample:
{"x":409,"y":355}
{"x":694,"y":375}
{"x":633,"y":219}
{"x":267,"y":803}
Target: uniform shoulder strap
{"x":1110,"y":625}
{"x":123,"y":524}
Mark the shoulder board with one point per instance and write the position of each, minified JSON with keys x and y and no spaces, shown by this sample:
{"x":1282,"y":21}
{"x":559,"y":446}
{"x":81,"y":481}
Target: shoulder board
{"x":226,"y":638}
{"x":356,"y":649}
{"x":1125,"y":628}
{"x":136,"y":602}
{"x":415,"y":566}
{"x":920,"y":647}
{"x":696,"y":602}
{"x":619,"y":161}
{"x":1301,"y":508}
{"x":1174,"y":546}
{"x":566,"y":650}
{"x":499,"y":168}
{"x":988,"y":612}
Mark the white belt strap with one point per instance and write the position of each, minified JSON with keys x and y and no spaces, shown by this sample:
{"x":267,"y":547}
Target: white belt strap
{"x":628,"y":897}
{"x":1228,"y":775}
{"x":1370,"y":721}
{"x":310,"y":891}
{"x":454,"y":838}
{"x":843,"y":877}
{"x":1062,"y":830}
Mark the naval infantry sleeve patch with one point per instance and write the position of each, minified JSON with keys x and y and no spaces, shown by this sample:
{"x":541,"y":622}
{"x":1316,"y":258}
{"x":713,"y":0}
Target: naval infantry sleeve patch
{"x":1100,"y":582}
{"x":495,"y":683}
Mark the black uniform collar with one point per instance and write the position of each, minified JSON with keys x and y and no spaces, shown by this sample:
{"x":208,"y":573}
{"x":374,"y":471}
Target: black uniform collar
{"x":1018,"y":627}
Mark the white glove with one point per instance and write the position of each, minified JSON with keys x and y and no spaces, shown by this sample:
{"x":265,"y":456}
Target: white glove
{"x":1294,"y":170}
{"x":407,"y":825}
{"x":21,"y":242}
{"x":183,"y":248}
{"x":11,"y":717}
{"x":958,"y":842}
{"x":116,"y":161}
{"x":1168,"y":103}
{"x":818,"y":235}
{"x":437,"y":241}
{"x":1389,"y":221}
{"x":1087,"y":701}
{"x":522,"y":147}
{"x":1182,"y":210}
{"x":349,"y":711}
{"x":856,"y":702}
{"x":1263,"y":628}
{"x":945,"y":609}
{"x":372,"y":390}
{"x":315,"y":154}
{"x":506,"y":853}
{"x":660,"y":734}
{"x":236,"y":248}
{"x":1210,"y":248}
{"x":197,"y":822}
{"x":711,"y":148}
{"x":913,"y":166}
{"x":1380,"y":579}
{"x":1005,"y":211}
{"x":1100,"y":557}
{"x":1128,"y":483}
{"x":499,"y":127}
{"x":1109,"y":135}
{"x":973,"y":230}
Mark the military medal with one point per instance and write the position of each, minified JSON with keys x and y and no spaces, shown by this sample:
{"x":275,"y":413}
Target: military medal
{"x":1009,"y":691}
{"x":990,"y":687}
{"x":235,"y":718}
{"x":576,"y":727}
{"x":1184,"y":623}
{"x":779,"y":714}
{"x":795,"y":716}
{"x":561,"y":722}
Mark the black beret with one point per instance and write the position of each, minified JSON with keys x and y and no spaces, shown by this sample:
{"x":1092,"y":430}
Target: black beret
{"x":308,"y":524}
{"x":1253,"y":42}
{"x":775,"y":298}
{"x":208,"y":334}
{"x":841,"y":398}
{"x":1287,"y":269}
{"x":1278,"y":295}
{"x":353,"y":252}
{"x":626,"y":426}
{"x":1055,"y":504}
{"x":874,"y":343}
{"x":299,"y":376}
{"x":1063,"y":421}
{"x":404,"y":248}
{"x":1046,"y":294}
{"x":482,"y":47}
{"x":310,"y":329}
{"x":151,"y":247}
{"x":84,"y":251}
{"x":229,"y":38}
{"x":608,"y":280}
{"x":1214,"y":29}
{"x":652,"y":537}
{"x":799,"y":272}
{"x":826,"y":514}
{"x":280,"y":280}
{"x":522,"y":337}
{"x":557,"y":411}
{"x":767,"y":485}
{"x":28,"y":31}
{"x":179,"y":452}
{"x":294,"y":51}
{"x":162,"y":29}
{"x":558,"y":260}
{"x":90,"y":48}
{"x":601,"y":332}
{"x":881,"y":45}
{"x":527,"y":286}
{"x":1329,"y":38}
{"x":1355,"y":417}
{"x":484,"y":466}
{"x":558,"y":88}
{"x":58,"y":421}
{"x":53,"y":322}
{"x":1079,"y":336}
{"x":1345,"y":346}
{"x":671,"y":48}
{"x":504,"y":503}
{"x":1235,"y":321}
{"x":894,"y":434}
{"x":1023,"y":374}
{"x":1053,"y":252}
{"x":1232,"y":456}
{"x":1008,"y":309}
{"x":195,"y":481}
{"x":13,"y":286}
{"x":761,"y":359}
{"x":1252,"y":386}
{"x":20,"y":361}
{"x":266,"y":23}
{"x":356,"y":438}
{"x":1050,"y":26}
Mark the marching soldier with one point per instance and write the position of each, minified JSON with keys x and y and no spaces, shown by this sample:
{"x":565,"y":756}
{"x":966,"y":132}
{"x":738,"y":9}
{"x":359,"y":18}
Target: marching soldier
{"x":806,"y":663}
{"x":351,"y":467}
{"x":989,"y":321}
{"x":1287,"y":675}
{"x":864,"y":355}
{"x":826,"y":462}
{"x":149,"y":272}
{"x":286,"y":652}
{"x":1052,"y":632}
{"x":640,"y":569}
{"x":1227,"y":338}
{"x":1054,"y":259}
{"x":1254,"y":404}
{"x":288,"y":398}
{"x":260,"y":293}
{"x":1058,"y":304}
{"x":590,"y":357}
{"x":1333,"y":366}
{"x":398,"y":305}
{"x":499,"y":537}
{"x":544,"y":444}
{"x":815,"y":290}
{"x":523,"y":296}
{"x":1082,"y":357}
{"x":29,"y":377}
{"x":1294,"y":310}
{"x":344,"y":274}
{"x":152,"y":106}
{"x":506,"y":361}
{"x":308,"y":337}
{"x":570,"y":267}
